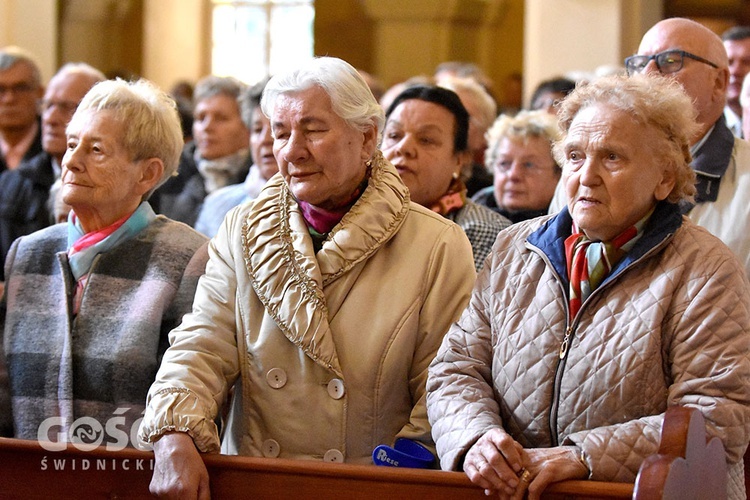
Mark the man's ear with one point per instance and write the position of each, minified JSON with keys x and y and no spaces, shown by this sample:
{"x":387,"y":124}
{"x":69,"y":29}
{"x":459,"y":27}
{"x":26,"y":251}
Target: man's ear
{"x":721,"y":83}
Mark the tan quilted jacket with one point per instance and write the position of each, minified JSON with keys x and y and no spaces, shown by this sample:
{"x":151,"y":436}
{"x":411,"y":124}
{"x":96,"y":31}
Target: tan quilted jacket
{"x":670,"y":326}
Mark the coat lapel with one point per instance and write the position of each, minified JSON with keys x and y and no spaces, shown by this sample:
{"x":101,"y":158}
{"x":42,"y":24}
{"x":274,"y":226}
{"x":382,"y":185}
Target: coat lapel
{"x":280,"y":260}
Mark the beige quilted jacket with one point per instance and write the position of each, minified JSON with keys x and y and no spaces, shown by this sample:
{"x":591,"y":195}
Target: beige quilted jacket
{"x":670,"y":326}
{"x":329,"y":350}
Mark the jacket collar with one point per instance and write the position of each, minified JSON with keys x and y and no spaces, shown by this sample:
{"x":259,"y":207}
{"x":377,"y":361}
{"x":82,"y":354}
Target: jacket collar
{"x":711,"y":161}
{"x":289,"y":277}
{"x":550,"y":238}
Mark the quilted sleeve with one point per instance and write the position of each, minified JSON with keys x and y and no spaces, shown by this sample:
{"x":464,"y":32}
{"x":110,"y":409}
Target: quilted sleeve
{"x":447,"y":290}
{"x":707,"y":355}
{"x":460,"y":401}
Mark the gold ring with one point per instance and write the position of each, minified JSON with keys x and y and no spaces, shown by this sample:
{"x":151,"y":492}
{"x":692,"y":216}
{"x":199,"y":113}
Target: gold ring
{"x":525,"y":476}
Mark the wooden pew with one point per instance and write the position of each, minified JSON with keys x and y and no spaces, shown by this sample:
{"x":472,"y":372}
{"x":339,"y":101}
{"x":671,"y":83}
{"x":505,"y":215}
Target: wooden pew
{"x":688,"y":465}
{"x":28,"y":471}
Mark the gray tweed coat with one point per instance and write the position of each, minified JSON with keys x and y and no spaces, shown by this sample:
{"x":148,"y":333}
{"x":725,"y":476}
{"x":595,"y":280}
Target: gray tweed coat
{"x":101,"y":363}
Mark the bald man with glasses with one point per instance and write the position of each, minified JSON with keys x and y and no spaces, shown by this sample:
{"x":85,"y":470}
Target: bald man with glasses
{"x":694,"y":56}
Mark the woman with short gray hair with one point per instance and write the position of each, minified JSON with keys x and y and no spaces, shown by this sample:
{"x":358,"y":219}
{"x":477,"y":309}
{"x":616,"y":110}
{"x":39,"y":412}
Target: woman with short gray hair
{"x":218,"y":156}
{"x":88,"y":303}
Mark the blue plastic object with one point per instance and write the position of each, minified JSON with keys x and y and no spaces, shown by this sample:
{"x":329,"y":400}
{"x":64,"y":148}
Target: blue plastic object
{"x":404,"y":453}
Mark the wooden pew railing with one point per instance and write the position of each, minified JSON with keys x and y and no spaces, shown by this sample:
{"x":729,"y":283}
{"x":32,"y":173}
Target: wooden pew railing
{"x":29,"y":471}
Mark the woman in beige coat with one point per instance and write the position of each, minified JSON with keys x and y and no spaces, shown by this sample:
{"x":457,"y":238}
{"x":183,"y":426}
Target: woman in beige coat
{"x":585,"y":326}
{"x":323,"y":303}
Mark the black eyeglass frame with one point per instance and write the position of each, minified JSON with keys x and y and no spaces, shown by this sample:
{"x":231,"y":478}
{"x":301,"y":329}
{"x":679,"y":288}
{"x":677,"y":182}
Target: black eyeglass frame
{"x":655,"y":57}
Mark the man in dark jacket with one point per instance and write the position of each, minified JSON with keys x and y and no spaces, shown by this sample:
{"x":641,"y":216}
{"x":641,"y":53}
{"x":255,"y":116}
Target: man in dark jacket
{"x":25,"y":189}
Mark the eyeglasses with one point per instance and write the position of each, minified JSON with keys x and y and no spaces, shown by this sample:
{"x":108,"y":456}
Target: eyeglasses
{"x":67,"y":107}
{"x":17,"y":88}
{"x":669,"y":61}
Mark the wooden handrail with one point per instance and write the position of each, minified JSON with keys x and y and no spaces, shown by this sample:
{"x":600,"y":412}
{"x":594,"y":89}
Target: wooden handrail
{"x":30,"y":471}
{"x":686,"y":461}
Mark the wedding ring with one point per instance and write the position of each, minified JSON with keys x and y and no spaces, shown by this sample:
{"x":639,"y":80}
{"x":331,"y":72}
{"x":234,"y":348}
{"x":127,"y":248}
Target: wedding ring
{"x":525,"y":476}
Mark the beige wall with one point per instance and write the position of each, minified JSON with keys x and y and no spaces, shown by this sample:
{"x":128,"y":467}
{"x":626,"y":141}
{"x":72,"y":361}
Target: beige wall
{"x":582,"y":35}
{"x":176,"y":42}
{"x":167,"y":40}
{"x":31,"y":24}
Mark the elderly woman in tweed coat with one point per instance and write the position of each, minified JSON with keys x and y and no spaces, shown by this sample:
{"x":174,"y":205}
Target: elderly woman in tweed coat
{"x":88,"y":303}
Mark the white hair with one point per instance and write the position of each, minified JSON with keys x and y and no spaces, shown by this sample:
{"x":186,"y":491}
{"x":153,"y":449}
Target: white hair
{"x":351,"y":98}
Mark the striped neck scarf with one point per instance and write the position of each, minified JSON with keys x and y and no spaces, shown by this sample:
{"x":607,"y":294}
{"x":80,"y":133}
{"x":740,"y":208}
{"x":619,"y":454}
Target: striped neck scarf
{"x":590,"y":262}
{"x":84,"y":247}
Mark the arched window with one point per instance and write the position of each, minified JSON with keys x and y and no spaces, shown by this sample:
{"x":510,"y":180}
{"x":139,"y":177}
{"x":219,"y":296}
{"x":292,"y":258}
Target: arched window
{"x":256,"y":38}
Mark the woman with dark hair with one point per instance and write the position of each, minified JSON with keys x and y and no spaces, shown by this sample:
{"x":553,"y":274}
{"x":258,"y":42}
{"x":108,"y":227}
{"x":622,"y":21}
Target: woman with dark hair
{"x":426,"y":139}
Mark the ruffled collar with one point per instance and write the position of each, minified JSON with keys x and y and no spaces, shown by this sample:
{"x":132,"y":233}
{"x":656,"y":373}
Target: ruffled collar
{"x":289,"y":277}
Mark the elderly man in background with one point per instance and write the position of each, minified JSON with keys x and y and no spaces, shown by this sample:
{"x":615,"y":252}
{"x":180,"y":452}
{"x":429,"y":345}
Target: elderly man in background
{"x":694,"y":56}
{"x":20,"y":88}
{"x":25,"y":190}
{"x":737,"y":44}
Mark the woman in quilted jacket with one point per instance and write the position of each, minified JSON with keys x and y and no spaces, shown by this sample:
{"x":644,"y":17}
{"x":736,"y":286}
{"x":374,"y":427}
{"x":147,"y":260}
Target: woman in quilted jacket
{"x":586,"y":325}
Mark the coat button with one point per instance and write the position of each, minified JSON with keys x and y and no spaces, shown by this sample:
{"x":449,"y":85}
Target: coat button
{"x":276,"y":378}
{"x":336,"y":388}
{"x":270,"y":448}
{"x":334,"y":456}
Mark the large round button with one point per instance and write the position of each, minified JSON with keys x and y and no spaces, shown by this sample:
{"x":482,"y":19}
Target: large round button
{"x":334,"y":456}
{"x":276,"y":378}
{"x":336,"y":388}
{"x":270,"y":448}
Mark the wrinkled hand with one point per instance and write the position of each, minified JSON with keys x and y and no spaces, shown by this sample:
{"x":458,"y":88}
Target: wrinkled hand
{"x":494,"y":462}
{"x":550,"y":465}
{"x":179,"y":471}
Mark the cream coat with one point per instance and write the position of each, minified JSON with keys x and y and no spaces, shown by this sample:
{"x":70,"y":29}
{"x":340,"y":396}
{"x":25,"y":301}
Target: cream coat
{"x":329,"y":351}
{"x":670,"y":326}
